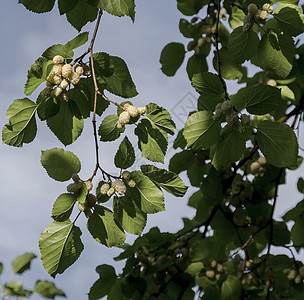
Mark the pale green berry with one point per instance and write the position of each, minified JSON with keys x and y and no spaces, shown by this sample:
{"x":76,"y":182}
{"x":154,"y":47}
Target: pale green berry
{"x":245,"y":119}
{"x":64,"y":96}
{"x":74,"y":187}
{"x":82,"y":206}
{"x":227,"y":106}
{"x":292,"y":275}
{"x":255,"y":167}
{"x":252,"y":9}
{"x":126,"y":175}
{"x":219,"y":268}
{"x":298,"y":279}
{"x":217,"y":276}
{"x":89,"y":185}
{"x":75,"y":177}
{"x":131,"y":183}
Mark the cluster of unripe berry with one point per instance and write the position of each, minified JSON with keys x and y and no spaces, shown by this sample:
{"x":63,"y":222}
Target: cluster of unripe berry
{"x":62,"y":75}
{"x":259,"y":166}
{"x":130,"y":111}
{"x":215,"y":270}
{"x":90,"y":200}
{"x":232,"y":118}
{"x":205,"y":29}
{"x":295,"y":275}
{"x":242,"y":191}
{"x":256,"y":14}
{"x":118,"y":185}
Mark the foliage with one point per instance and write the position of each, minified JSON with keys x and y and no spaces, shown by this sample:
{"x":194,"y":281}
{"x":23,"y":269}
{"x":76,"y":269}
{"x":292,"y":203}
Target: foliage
{"x":10,"y":289}
{"x":235,"y":150}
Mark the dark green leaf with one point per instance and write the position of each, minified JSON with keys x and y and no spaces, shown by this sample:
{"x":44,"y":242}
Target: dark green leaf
{"x":168,"y":180}
{"x":116,"y":7}
{"x":278,"y":143}
{"x":22,"y":126}
{"x":125,"y":155}
{"x":151,"y":141}
{"x":190,"y":7}
{"x":181,"y":161}
{"x":65,"y":125}
{"x":149,"y":196}
{"x":231,"y":288}
{"x":186,"y":28}
{"x":300,"y":185}
{"x":63,"y":207}
{"x":275,"y":53}
{"x":160,"y":117}
{"x":38,"y":6}
{"x":103,"y":285}
{"x":243,"y":45}
{"x":128,"y":215}
{"x":66,"y":5}
{"x":113,"y":75}
{"x":108,"y":130}
{"x":15,"y":288}
{"x":47,"y":105}
{"x":297,"y":232}
{"x":201,"y":131}
{"x":81,"y":14}
{"x":77,"y":41}
{"x":196,"y":64}
{"x":289,"y":20}
{"x":230,"y":148}
{"x":103,"y":227}
{"x":258,"y":99}
{"x":210,"y":87}
{"x":22,"y":262}
{"x":180,"y":141}
{"x":1,"y":268}
{"x":60,"y":246}
{"x":171,"y":58}
{"x":48,"y":289}
{"x":60,"y":164}
{"x":81,"y":100}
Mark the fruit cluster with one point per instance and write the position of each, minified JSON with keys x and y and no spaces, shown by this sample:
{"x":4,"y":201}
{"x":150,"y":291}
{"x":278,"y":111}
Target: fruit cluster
{"x":259,"y":166}
{"x":295,"y":275}
{"x":256,"y":14}
{"x":62,"y":76}
{"x":215,"y":270}
{"x":232,"y":118}
{"x":129,"y":111}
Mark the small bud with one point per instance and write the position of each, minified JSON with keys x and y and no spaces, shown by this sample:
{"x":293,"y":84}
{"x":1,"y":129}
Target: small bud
{"x":217,"y":115}
{"x":252,"y":9}
{"x":210,"y":274}
{"x":91,"y":200}
{"x":191,"y":45}
{"x":104,"y":189}
{"x":227,"y":106}
{"x":247,"y":22}
{"x":58,"y":59}
{"x":245,"y":119}
{"x":67,"y":70}
{"x":131,"y":183}
{"x":82,"y":206}
{"x":194,"y":19}
{"x":298,"y":279}
{"x":74,"y":187}
{"x":271,"y":82}
{"x":111,"y":191}
{"x":75,"y":177}
{"x":119,"y":187}
{"x":65,"y":96}
{"x":86,"y":70}
{"x":255,"y":167}
{"x":126,"y":175}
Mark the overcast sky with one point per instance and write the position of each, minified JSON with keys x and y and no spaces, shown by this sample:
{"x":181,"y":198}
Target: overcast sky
{"x":27,"y":193}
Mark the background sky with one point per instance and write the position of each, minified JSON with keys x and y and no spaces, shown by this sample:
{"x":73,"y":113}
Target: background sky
{"x":27,"y":194}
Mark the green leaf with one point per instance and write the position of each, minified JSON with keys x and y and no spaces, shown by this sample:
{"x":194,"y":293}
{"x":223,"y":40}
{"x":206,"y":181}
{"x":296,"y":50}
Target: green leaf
{"x":128,"y":215}
{"x":125,"y":155}
{"x":278,"y":143}
{"x":190,"y":7}
{"x":258,"y":99}
{"x":180,"y":141}
{"x":60,"y":164}
{"x":37,"y":74}
{"x":230,"y":70}
{"x":186,"y":28}
{"x":168,"y":180}
{"x":60,"y":246}
{"x":77,"y":41}
{"x":108,"y":130}
{"x":160,"y":118}
{"x":230,"y":148}
{"x":1,"y":269}
{"x":48,"y":289}
{"x":81,"y":100}
{"x":15,"y":288}
{"x":300,"y":185}
{"x":113,"y":75}
{"x":149,"y":196}
{"x":297,"y":232}
{"x":47,"y":105}
{"x":171,"y":58}
{"x":242,"y":45}
{"x":102,"y":287}
{"x":289,"y":20}
{"x":116,"y":7}
{"x":81,"y":195}
{"x":66,"y":5}
{"x":65,"y":125}
{"x":210,"y":87}
{"x":81,"y":14}
{"x":275,"y":53}
{"x":236,"y":17}
{"x":103,"y":227}
{"x":151,"y":141}
{"x":196,"y":64}
{"x":58,"y":49}
{"x":22,"y":262}
{"x":63,"y":207}
{"x":38,"y":6}
{"x":231,"y":288}
{"x":181,"y":161}
{"x":201,"y":131}
{"x":22,"y":126}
